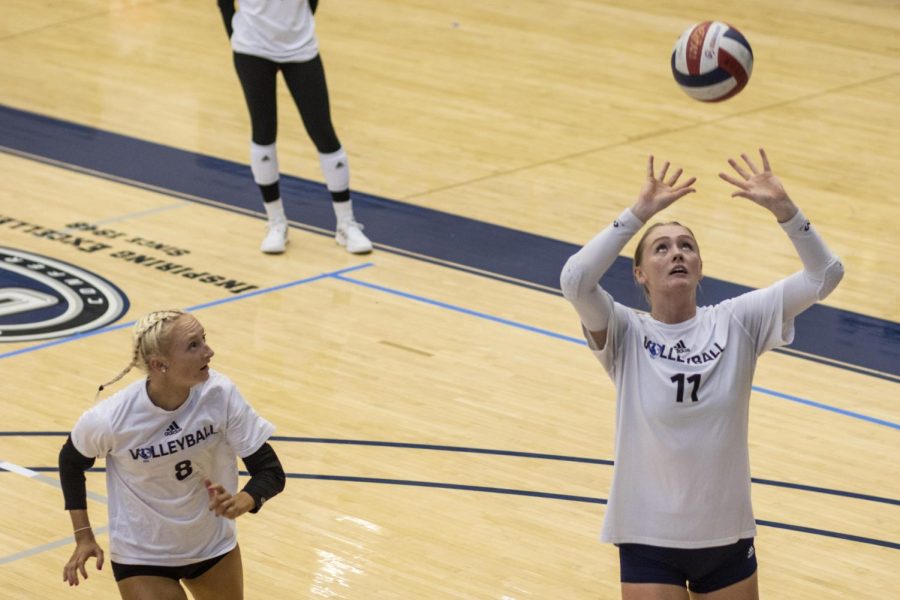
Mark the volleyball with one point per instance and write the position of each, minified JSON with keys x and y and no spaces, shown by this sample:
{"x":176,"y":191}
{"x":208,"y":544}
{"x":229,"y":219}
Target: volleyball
{"x":712,"y":61}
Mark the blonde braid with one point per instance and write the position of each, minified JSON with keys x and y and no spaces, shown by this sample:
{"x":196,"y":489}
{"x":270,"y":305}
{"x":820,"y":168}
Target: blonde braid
{"x":151,"y":323}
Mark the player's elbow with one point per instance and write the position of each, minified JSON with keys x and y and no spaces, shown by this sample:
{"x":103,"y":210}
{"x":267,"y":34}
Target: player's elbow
{"x":571,"y":279}
{"x":832,"y":277}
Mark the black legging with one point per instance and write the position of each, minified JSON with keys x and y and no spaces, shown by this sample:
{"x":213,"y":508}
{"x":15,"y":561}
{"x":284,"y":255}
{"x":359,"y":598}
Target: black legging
{"x":306,"y":82}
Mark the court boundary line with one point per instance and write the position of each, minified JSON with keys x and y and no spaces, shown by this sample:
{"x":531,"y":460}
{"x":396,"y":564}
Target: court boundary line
{"x":494,"y":452}
{"x":496,"y":274}
{"x":582,"y":342}
{"x":547,"y":495}
{"x":571,"y":498}
{"x":185,"y":197}
{"x":8,"y":467}
{"x":196,"y":307}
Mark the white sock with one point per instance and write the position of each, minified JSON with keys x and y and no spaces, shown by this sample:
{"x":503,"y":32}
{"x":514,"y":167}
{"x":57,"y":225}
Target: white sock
{"x":275,"y":211}
{"x":343,"y":211}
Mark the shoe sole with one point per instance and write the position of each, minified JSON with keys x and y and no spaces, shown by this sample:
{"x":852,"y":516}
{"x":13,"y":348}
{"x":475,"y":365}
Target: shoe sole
{"x":282,"y":251}
{"x":341,"y":241}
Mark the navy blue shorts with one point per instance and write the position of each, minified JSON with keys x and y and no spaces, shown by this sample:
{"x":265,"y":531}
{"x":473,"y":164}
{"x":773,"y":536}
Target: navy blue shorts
{"x":702,"y":570}
{"x":191,"y":571}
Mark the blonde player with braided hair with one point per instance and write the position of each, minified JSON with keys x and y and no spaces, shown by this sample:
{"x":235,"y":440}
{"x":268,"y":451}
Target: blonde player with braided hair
{"x":170,"y":441}
{"x":146,"y":342}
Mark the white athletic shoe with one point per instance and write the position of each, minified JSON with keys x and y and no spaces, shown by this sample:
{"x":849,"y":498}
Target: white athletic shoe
{"x":276,"y":238}
{"x":350,"y":236}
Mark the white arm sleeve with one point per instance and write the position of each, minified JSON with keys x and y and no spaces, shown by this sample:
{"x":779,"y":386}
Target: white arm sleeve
{"x":582,"y":272}
{"x":822,"y":269}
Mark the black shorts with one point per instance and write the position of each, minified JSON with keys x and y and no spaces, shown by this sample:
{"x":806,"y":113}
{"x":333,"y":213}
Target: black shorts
{"x":191,"y":571}
{"x":702,"y":570}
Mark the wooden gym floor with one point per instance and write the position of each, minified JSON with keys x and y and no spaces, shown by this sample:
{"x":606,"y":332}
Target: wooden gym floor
{"x":446,"y":432}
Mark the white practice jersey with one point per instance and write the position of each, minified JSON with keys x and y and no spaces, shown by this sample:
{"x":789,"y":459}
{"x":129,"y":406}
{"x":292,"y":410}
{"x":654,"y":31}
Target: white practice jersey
{"x":280,"y":30}
{"x":682,"y":464}
{"x":156,"y":463}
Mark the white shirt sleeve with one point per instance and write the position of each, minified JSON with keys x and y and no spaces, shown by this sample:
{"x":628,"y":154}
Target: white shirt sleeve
{"x":761,"y":315}
{"x":581,"y":274}
{"x":246,"y":431}
{"x":92,"y":434}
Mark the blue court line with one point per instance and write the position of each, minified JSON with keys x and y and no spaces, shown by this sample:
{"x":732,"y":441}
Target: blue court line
{"x":244,"y":296}
{"x":840,"y":411}
{"x":513,"y":453}
{"x":843,"y":339}
{"x":141,"y":213}
{"x":283,"y":286}
{"x":582,"y":342}
{"x":570,"y":498}
{"x":459,"y":309}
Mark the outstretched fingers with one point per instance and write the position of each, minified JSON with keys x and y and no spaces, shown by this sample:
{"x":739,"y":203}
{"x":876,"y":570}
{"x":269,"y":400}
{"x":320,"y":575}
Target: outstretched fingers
{"x":742,"y":185}
{"x":687,"y":184}
{"x":684,"y":189}
{"x":765,"y":160}
{"x":662,"y":173}
{"x":750,"y":163}
{"x":674,"y":177}
{"x":738,"y":168}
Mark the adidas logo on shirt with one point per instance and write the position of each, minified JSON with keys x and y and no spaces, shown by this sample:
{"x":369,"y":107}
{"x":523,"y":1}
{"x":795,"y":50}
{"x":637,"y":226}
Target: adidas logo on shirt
{"x":173,"y":428}
{"x":680,"y":348}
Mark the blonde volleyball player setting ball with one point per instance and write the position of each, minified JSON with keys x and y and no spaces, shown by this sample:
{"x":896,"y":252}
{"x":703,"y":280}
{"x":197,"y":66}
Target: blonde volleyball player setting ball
{"x":679,"y":505}
{"x":170,"y":441}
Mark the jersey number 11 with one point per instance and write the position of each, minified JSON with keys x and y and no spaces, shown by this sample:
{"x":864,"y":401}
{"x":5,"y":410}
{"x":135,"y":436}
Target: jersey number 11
{"x":694,"y":380}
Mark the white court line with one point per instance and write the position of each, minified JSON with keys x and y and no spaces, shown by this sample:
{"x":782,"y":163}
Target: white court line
{"x":24,"y":472}
{"x":17,"y":469}
{"x":14,"y":468}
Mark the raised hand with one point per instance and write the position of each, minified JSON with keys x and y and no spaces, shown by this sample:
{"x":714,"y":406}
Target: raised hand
{"x":658,"y":192}
{"x":762,"y":187}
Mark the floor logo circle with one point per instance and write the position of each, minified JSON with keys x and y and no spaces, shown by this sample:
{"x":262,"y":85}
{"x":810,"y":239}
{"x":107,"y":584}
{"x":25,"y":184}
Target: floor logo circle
{"x":43,"y":298}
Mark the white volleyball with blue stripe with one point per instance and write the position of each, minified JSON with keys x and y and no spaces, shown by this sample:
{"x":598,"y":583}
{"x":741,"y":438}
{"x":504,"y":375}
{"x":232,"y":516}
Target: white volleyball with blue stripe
{"x":712,"y":61}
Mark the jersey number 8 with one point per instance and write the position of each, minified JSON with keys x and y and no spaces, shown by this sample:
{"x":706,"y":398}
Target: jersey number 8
{"x":183,"y":470}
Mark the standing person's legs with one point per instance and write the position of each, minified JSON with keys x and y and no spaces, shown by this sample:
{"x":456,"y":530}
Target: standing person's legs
{"x":224,"y":581}
{"x":306,"y":82}
{"x":258,"y":80}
